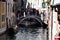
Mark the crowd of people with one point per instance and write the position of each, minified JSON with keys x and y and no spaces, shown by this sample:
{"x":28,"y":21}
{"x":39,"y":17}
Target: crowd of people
{"x":28,"y":11}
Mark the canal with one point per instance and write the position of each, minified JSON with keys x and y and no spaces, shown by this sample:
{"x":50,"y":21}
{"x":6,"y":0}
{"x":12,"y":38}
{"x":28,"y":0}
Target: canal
{"x":28,"y":34}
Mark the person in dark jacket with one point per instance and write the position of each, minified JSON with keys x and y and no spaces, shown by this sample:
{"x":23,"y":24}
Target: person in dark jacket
{"x":10,"y":32}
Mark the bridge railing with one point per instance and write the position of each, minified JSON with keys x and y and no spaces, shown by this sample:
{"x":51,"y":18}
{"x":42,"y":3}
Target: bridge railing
{"x":27,"y":12}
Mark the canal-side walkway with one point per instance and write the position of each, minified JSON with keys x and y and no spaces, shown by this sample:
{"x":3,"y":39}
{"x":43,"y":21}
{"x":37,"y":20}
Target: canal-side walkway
{"x":2,"y":30}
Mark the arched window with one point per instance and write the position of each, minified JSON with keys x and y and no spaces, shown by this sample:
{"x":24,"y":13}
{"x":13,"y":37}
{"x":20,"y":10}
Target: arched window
{"x":14,"y":0}
{"x":3,"y":0}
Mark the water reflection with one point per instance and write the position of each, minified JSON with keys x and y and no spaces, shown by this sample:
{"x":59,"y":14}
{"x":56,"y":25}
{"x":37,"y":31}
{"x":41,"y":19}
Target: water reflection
{"x":25,"y":33}
{"x":30,"y":34}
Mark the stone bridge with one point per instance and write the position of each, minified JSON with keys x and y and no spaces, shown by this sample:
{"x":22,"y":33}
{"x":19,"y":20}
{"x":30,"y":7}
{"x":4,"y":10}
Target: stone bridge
{"x":37,"y":18}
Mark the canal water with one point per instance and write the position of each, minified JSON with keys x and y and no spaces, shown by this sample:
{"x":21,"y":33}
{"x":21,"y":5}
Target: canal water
{"x":28,"y":34}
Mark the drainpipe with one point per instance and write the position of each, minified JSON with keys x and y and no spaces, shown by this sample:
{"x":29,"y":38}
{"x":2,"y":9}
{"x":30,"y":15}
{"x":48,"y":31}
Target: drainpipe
{"x":6,"y":16}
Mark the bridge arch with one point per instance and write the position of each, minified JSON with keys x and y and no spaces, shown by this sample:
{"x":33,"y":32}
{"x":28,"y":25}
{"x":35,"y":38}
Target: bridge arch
{"x":34,"y":17}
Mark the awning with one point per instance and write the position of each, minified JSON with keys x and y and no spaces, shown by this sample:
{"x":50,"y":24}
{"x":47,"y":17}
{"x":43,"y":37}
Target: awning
{"x":55,"y":2}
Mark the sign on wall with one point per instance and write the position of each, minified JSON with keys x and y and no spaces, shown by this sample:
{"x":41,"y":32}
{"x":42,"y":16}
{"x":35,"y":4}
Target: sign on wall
{"x":43,"y":4}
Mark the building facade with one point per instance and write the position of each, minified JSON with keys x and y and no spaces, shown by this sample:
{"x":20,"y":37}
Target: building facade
{"x":55,"y":5}
{"x":2,"y":15}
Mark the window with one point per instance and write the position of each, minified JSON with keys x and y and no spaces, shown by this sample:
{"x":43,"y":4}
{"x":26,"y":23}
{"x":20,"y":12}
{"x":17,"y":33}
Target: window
{"x":59,"y":19}
{"x":8,"y":7}
{"x":3,"y":17}
{"x":15,"y":0}
{"x":49,"y":15}
{"x":0,"y":0}
{"x":13,"y":8}
{"x":3,"y":0}
{"x":58,"y":12}
{"x":44,"y":13}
